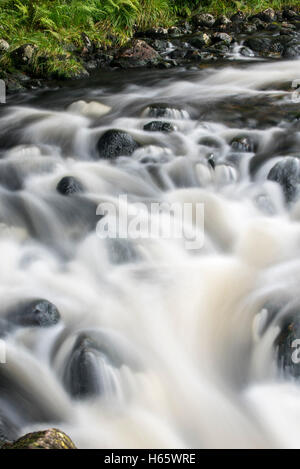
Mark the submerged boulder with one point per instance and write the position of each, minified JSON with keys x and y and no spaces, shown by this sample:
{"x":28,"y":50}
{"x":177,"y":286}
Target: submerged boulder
{"x":115,"y":143}
{"x":243,"y":144}
{"x":287,"y":173}
{"x":159,"y":110}
{"x":159,"y":126}
{"x":34,"y":313}
{"x":90,"y":366}
{"x":47,"y":439}
{"x":81,"y":377}
{"x":69,"y":185}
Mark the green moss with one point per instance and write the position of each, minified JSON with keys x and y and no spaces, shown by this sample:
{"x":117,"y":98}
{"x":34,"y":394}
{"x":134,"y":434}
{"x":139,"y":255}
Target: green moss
{"x":48,"y":439}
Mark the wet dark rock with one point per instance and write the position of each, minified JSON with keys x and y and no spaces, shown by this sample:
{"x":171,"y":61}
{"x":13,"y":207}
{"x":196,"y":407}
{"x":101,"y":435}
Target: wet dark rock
{"x":290,"y":14}
{"x":243,"y":144}
{"x":154,"y":33}
{"x":279,"y":15}
{"x":81,"y":376}
{"x":90,"y":362}
{"x":268,"y":15}
{"x":178,"y":54}
{"x":194,"y":55}
{"x":80,"y":74}
{"x":211,"y":161}
{"x":259,"y":24}
{"x":185,"y":27}
{"x":277,"y":47}
{"x":249,"y":28}
{"x":174,"y":31}
{"x":223,"y":20}
{"x":136,"y":53}
{"x":160,"y":110}
{"x":160,"y":45}
{"x":297,"y":25}
{"x":287,"y":173}
{"x":246,"y":52}
{"x":205,"y":19}
{"x":159,"y":126}
{"x":282,"y":143}
{"x":220,"y":49}
{"x":238,"y":17}
{"x":34,"y":313}
{"x":288,"y":27}
{"x":103,"y":58}
{"x":12,"y":83}
{"x":261,"y":45}
{"x":91,"y":65}
{"x":47,"y":439}
{"x":222,"y":37}
{"x":69,"y":185}
{"x":168,"y":63}
{"x":115,"y":143}
{"x":23,"y":56}
{"x":273,"y":27}
{"x":200,"y":40}
{"x":207,"y":56}
{"x":291,"y":51}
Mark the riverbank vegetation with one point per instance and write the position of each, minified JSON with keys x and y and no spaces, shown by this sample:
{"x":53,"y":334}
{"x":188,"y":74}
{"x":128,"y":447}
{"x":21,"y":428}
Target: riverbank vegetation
{"x":55,"y":27}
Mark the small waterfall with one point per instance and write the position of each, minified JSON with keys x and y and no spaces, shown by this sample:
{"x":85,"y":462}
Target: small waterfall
{"x":157,"y":346}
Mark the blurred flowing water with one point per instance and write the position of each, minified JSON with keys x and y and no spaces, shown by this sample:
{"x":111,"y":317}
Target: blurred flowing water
{"x":179,"y":343}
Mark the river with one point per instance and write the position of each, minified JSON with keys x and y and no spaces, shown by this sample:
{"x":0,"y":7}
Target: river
{"x":176,"y":344}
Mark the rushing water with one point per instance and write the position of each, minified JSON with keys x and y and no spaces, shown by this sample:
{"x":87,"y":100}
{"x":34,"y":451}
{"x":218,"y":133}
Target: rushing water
{"x":185,"y":355}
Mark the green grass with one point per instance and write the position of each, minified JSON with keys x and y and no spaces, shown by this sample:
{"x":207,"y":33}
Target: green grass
{"x":228,"y":7}
{"x":54,"y":25}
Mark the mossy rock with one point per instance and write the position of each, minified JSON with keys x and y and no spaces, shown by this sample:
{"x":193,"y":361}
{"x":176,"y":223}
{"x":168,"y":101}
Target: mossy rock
{"x":48,"y":439}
